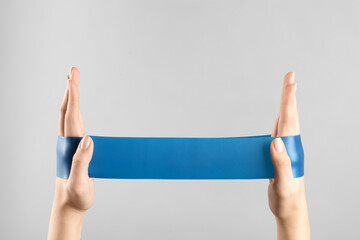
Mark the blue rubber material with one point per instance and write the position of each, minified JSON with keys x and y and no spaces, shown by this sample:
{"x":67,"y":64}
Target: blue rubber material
{"x":180,"y":158}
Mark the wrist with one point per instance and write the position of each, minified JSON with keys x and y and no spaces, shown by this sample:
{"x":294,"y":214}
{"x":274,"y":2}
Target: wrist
{"x":65,"y":221}
{"x":64,"y":210}
{"x":68,"y":213}
{"x":295,"y":226}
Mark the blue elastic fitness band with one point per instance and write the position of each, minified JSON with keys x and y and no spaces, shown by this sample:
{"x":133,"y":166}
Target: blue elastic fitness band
{"x":180,"y":158}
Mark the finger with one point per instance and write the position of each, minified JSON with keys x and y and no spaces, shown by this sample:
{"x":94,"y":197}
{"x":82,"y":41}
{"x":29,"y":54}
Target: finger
{"x":287,"y":122}
{"x":72,"y":117}
{"x":281,"y":161}
{"x":81,"y":160}
{"x":75,"y":75}
{"x":289,"y":78}
{"x":275,"y":127}
{"x":287,"y":106}
{"x":297,"y":121}
{"x":63,"y":112}
{"x":73,"y":125}
{"x":73,"y":104}
{"x":82,"y":124}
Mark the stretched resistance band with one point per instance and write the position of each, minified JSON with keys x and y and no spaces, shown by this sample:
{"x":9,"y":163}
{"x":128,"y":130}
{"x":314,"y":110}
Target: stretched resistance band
{"x":180,"y":158}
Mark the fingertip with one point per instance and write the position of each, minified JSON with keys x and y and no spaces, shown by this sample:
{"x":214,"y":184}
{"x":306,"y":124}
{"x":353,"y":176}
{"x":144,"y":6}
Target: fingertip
{"x":91,"y":145}
{"x":277,"y":145}
{"x":74,"y":75}
{"x":289,"y":78}
{"x":292,"y":75}
{"x":87,"y":144}
{"x":272,"y":147}
{"x":280,"y":159}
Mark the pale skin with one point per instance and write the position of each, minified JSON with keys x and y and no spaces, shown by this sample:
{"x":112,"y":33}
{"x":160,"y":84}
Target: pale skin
{"x":75,"y":195}
{"x":287,"y":198}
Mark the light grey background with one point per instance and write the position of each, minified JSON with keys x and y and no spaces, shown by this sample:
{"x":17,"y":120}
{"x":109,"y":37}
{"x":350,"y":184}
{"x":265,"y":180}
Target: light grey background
{"x":179,"y":68}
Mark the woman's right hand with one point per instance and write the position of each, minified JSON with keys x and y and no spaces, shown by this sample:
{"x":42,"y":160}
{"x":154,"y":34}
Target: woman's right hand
{"x":287,"y":198}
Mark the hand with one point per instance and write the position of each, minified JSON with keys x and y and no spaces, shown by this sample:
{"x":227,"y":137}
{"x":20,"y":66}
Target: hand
{"x":75,"y":195}
{"x":287,"y":194}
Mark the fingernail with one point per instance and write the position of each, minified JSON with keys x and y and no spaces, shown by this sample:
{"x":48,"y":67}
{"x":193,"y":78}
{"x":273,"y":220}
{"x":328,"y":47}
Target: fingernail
{"x":85,"y":142}
{"x":70,"y":73}
{"x":278,"y":145}
{"x":293,"y":77}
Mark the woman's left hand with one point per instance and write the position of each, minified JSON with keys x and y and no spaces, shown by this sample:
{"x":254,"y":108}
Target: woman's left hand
{"x":75,"y":195}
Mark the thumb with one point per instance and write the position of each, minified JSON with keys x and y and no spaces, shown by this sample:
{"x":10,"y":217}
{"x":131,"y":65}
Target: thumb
{"x":81,"y":159}
{"x":281,"y":161}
